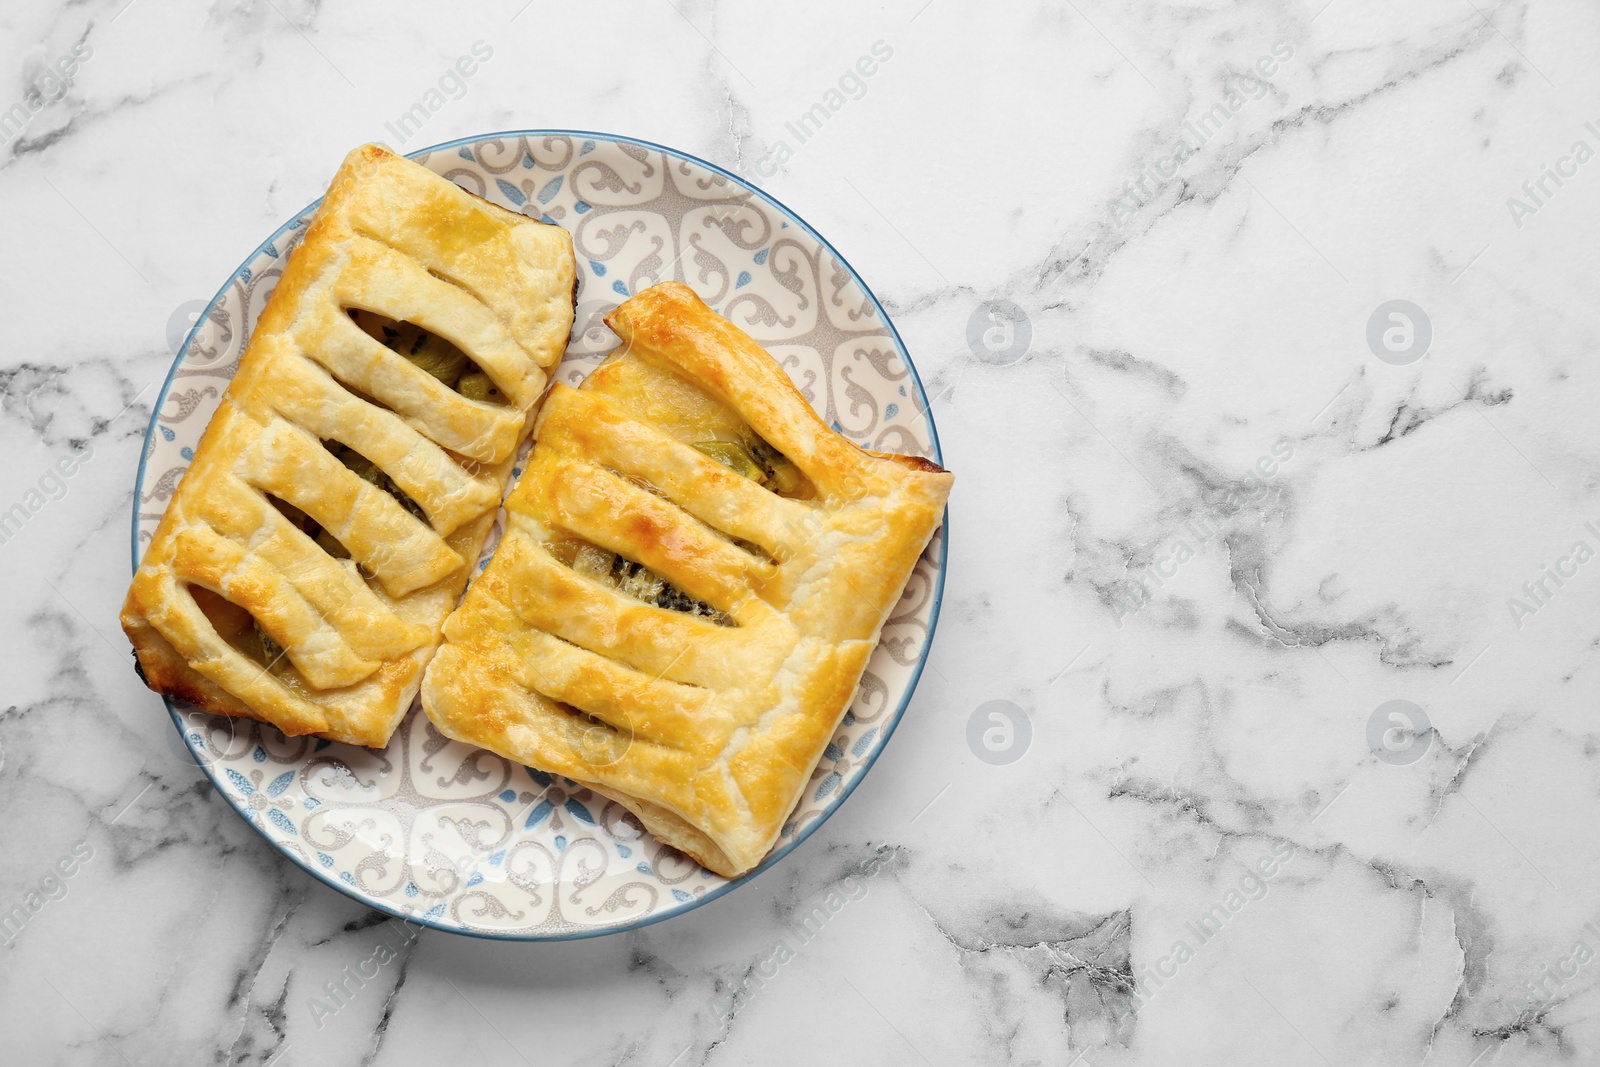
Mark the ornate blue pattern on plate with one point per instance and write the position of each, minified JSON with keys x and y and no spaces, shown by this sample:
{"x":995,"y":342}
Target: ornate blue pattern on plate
{"x":456,"y":837}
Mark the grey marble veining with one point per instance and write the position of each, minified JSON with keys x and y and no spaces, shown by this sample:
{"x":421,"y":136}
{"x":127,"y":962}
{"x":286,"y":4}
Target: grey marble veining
{"x":1154,"y":802}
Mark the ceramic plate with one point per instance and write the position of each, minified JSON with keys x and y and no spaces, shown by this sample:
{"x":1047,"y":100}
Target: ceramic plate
{"x":458,"y":838}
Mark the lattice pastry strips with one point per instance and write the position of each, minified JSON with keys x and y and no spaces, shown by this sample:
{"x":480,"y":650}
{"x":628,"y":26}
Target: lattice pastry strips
{"x":328,"y":520}
{"x":694,"y":572}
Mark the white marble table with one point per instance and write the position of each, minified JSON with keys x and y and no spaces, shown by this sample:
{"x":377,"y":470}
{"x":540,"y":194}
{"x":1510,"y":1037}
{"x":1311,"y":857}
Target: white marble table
{"x":1203,"y":533}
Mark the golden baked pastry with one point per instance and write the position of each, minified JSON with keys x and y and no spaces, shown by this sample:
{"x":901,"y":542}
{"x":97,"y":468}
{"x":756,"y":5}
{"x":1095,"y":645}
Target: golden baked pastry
{"x":694,"y":572}
{"x":346,"y":483}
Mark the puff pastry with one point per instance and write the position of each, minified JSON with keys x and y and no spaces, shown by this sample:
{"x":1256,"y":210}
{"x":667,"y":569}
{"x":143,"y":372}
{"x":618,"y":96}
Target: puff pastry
{"x":694,"y":572}
{"x":374,"y":416}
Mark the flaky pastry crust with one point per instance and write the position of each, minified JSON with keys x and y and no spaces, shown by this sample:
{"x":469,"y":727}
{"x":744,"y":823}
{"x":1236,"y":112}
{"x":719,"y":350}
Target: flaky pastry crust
{"x":394,"y":239}
{"x":707,"y":726}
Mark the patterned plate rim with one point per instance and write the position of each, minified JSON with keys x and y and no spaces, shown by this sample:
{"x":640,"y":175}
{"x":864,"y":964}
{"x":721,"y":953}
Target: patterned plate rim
{"x":777,"y":855}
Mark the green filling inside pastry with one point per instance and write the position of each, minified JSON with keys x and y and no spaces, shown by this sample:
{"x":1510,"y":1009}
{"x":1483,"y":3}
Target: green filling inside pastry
{"x":431,"y":354}
{"x":641,"y":583}
{"x":369,"y":471}
{"x":240,"y":629}
{"x":759,"y":462}
{"x":262,"y":648}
